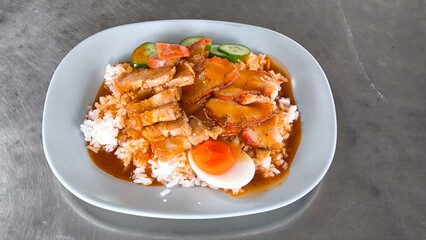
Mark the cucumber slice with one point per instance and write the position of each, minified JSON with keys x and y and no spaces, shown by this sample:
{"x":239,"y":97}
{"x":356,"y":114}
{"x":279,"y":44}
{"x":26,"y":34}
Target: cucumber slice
{"x":233,"y":58}
{"x":235,"y":50}
{"x":141,"y":55}
{"x":215,"y":51}
{"x":190,"y":40}
{"x":208,"y":47}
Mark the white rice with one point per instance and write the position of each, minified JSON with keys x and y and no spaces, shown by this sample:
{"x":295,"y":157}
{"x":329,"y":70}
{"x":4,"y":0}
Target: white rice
{"x":290,"y":111}
{"x":165,"y":192}
{"x":139,"y":176}
{"x":101,"y":132}
{"x":176,"y":172}
{"x":102,"y":124}
{"x":112,"y":72}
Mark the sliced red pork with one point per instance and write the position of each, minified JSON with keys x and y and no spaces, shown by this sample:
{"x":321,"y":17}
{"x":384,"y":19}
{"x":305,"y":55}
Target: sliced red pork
{"x":213,"y":74}
{"x":266,"y":135}
{"x":233,"y":116}
{"x":251,"y":86}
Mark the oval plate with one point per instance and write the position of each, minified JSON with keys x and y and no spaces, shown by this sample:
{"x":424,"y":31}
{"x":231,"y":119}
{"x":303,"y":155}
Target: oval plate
{"x":76,"y":81}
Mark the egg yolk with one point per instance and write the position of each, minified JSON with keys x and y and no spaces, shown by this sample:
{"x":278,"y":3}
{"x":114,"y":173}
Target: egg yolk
{"x":213,"y":157}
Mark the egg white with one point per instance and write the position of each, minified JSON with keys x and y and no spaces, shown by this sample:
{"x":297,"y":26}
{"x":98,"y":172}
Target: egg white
{"x":240,"y":174}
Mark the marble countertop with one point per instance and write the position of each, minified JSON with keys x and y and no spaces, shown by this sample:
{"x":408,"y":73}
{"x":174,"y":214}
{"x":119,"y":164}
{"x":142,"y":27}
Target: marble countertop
{"x":373,"y":53}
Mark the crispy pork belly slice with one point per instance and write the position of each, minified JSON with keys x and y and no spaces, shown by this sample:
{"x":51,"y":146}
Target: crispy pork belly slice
{"x":230,"y":114}
{"x":162,"y":98}
{"x":200,"y":132}
{"x":134,"y":123}
{"x":169,"y":148}
{"x":168,"y":112}
{"x":266,"y":135}
{"x":159,"y":131}
{"x":213,"y":74}
{"x":145,"y":79}
{"x":184,"y":76}
{"x":251,"y":82}
{"x":141,"y":94}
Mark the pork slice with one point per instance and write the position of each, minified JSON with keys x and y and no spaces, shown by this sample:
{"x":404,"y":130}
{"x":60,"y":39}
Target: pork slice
{"x":168,"y":112}
{"x":230,"y":114}
{"x":200,"y":132}
{"x":145,"y":79}
{"x":161,"y":130}
{"x":249,"y":84}
{"x":167,"y":96}
{"x":141,"y":94}
{"x":213,"y":74}
{"x":184,"y":76}
{"x":267,"y":135}
{"x":192,"y":108}
{"x":252,"y":98}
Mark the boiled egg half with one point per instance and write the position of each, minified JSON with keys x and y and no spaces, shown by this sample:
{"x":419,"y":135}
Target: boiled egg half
{"x":221,"y":164}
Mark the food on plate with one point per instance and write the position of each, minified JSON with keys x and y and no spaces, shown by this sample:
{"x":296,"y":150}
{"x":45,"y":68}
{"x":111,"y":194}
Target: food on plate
{"x":194,"y":114}
{"x":142,"y":54}
{"x":221,"y":164}
{"x":211,"y":75}
{"x":232,"y":52}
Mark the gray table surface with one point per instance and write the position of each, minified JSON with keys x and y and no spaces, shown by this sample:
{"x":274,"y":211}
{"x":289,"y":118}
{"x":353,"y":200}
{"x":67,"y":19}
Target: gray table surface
{"x":373,"y":52}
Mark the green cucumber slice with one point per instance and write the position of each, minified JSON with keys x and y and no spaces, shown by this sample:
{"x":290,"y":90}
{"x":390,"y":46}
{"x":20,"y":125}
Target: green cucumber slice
{"x":190,"y":40}
{"x":141,"y":55}
{"x":233,"y":58}
{"x":236,"y":50}
{"x":215,"y":51}
{"x":208,"y":47}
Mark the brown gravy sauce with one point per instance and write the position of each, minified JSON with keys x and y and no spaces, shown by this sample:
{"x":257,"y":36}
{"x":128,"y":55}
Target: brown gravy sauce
{"x":109,"y":163}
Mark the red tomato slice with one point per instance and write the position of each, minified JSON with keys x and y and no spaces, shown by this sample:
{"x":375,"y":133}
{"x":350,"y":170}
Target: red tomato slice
{"x":171,"y":51}
{"x":199,"y":46}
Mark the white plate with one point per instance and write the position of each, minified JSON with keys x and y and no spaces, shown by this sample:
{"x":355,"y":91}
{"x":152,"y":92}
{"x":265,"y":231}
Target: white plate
{"x":76,"y":81}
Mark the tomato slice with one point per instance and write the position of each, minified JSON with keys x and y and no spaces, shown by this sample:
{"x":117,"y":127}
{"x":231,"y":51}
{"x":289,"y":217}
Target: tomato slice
{"x":171,"y":51}
{"x":200,"y":46}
